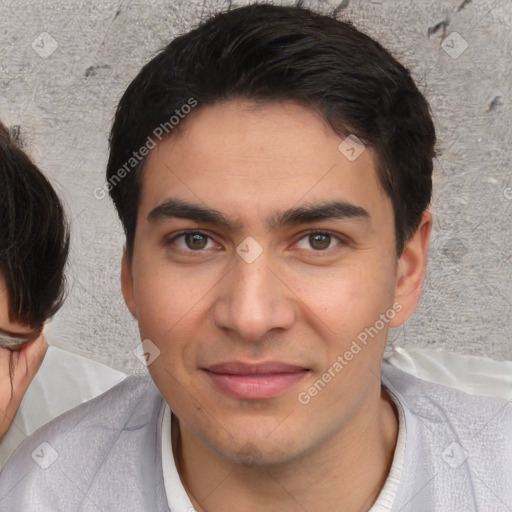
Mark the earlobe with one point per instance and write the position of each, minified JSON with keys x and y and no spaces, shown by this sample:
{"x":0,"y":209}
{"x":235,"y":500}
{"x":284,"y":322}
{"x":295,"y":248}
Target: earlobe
{"x":127,"y":284}
{"x":411,"y":270}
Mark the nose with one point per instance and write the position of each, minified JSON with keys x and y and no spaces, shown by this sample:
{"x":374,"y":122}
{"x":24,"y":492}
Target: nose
{"x":254,"y":299}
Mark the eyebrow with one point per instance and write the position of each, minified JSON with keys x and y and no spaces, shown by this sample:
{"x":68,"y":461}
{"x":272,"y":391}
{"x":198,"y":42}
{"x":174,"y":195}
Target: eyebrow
{"x":305,"y":214}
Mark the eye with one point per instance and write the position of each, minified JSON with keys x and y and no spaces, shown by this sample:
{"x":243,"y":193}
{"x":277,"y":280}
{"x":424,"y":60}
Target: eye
{"x":192,"y":241}
{"x":197,"y":241}
{"x":320,"y":240}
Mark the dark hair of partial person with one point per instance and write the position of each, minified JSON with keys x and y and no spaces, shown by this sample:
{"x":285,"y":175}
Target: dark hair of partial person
{"x":267,"y":53}
{"x":34,"y":237}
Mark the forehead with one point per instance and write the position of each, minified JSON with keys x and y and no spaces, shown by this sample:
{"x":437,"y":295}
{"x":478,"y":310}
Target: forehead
{"x":3,"y":289}
{"x":253,"y":161}
{"x":9,"y":328}
{"x":5,"y":323}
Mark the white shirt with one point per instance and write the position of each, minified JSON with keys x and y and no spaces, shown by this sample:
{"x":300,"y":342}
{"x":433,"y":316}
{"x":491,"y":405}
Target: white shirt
{"x":106,"y":454}
{"x":63,"y":381}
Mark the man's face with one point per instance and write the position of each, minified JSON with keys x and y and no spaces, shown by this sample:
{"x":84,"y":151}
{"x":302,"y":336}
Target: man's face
{"x":218,"y":310}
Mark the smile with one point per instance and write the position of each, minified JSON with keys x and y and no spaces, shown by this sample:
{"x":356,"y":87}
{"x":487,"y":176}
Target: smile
{"x":254,"y":382}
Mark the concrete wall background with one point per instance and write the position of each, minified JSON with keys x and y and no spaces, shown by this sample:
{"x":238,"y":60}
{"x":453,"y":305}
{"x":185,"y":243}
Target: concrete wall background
{"x":63,"y":104}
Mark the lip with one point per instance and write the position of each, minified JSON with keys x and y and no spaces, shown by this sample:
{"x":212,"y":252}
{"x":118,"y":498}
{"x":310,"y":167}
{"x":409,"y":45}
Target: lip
{"x":254,"y":381}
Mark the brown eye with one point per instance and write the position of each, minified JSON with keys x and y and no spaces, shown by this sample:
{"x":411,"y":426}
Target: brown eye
{"x":319,"y":241}
{"x":195,"y":240}
{"x":191,"y":241}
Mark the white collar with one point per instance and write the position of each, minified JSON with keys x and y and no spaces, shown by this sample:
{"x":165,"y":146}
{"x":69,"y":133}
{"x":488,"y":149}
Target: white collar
{"x":386,"y":497}
{"x":177,"y":497}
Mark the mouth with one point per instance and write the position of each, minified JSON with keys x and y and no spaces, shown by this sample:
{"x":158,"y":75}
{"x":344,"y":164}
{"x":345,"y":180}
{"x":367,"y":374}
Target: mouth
{"x":254,"y":381}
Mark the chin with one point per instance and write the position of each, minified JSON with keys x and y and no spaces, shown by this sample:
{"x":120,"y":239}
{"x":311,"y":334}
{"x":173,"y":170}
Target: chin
{"x":259,"y":452}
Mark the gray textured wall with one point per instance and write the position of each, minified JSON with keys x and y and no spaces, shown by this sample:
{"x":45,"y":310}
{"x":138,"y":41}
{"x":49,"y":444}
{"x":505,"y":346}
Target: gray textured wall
{"x":64,"y":65}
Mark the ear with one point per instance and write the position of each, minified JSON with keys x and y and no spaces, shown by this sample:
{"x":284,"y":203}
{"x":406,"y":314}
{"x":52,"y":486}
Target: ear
{"x":127,"y":284}
{"x":411,"y":270}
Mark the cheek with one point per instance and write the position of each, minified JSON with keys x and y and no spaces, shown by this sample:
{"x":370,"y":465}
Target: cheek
{"x":163,"y":294}
{"x":349,"y":298}
{"x":172,"y":309}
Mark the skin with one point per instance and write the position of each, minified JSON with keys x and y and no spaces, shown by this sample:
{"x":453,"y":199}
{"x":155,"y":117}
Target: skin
{"x":27,"y":362}
{"x":296,"y":303}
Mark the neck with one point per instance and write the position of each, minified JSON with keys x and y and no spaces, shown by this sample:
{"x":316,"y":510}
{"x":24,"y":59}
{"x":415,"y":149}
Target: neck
{"x":346,"y":473}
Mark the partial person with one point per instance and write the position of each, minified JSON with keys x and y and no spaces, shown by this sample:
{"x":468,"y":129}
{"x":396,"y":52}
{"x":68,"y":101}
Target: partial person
{"x":34,"y":245}
{"x":38,"y":380}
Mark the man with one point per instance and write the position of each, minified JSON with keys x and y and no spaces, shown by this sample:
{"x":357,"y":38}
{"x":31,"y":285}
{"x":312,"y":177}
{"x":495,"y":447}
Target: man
{"x":272,"y":170}
{"x":34,"y":242}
